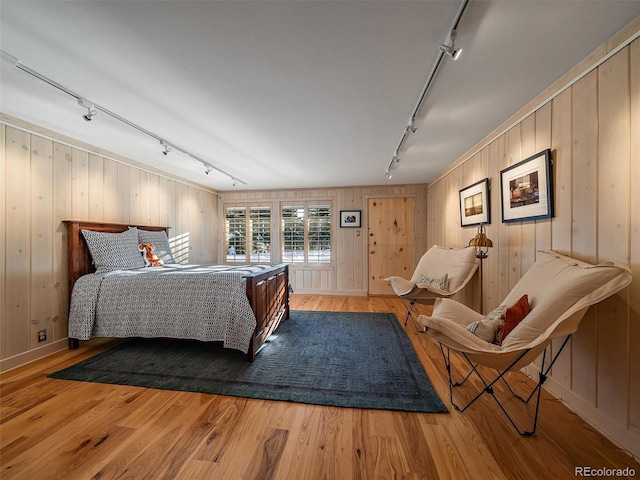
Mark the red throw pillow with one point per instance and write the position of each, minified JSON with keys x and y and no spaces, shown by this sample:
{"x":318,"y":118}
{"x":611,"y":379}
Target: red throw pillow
{"x":514,"y":315}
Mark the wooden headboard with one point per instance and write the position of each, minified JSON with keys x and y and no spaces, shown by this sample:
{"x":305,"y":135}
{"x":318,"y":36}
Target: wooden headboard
{"x":79,"y":259}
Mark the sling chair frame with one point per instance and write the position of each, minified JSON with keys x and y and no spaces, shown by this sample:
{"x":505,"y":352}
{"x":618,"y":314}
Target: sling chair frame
{"x":488,"y":385}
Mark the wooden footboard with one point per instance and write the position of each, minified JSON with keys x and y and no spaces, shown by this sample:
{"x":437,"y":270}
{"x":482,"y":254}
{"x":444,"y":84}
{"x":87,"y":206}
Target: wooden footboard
{"x":267,"y":290}
{"x":268,"y":293}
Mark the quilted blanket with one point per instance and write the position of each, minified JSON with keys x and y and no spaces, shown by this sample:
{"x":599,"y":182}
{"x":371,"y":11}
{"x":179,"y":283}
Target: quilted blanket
{"x":202,"y":302}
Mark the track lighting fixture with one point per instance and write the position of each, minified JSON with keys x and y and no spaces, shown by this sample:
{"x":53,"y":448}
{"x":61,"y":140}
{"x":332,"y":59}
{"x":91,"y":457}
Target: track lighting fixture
{"x":451,"y":49}
{"x":91,"y":109}
{"x":235,"y":182}
{"x":166,"y":146}
{"x":94,"y":108}
{"x":393,"y":162}
{"x":90,"y":114}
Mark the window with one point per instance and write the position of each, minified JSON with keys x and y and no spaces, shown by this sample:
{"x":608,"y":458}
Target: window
{"x":306,"y":234}
{"x":248,"y":236}
{"x":260,"y":228}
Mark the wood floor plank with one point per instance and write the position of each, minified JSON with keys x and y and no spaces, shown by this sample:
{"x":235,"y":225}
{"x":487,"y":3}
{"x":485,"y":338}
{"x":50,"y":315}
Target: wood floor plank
{"x":243,"y":440}
{"x":295,"y":421}
{"x":156,"y":451}
{"x":198,"y":469}
{"x":310,"y":458}
{"x":229,"y":411}
{"x":79,"y":430}
{"x":265,"y":461}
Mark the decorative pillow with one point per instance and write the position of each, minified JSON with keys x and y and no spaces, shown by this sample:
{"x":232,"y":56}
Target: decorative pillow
{"x":160,"y":240}
{"x":114,"y":251}
{"x":442,"y":283}
{"x":487,"y":330}
{"x":514,"y":315}
{"x":489,"y":327}
{"x":150,"y":258}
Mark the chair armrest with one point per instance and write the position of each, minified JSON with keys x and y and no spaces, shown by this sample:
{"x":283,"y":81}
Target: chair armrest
{"x":400,"y":285}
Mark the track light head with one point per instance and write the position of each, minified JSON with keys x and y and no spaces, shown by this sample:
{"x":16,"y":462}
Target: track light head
{"x":207,"y":169}
{"x":92,"y":111}
{"x":234,"y":182}
{"x":394,"y":161}
{"x":450,"y":49}
{"x":166,"y":146}
{"x":90,"y":114}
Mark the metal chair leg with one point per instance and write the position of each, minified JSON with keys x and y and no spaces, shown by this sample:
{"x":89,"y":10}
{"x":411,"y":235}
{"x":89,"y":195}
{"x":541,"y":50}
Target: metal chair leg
{"x":488,"y":385}
{"x":409,"y":309}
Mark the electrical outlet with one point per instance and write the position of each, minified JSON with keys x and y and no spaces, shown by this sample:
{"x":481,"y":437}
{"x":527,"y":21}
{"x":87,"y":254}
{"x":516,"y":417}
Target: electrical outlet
{"x":42,"y":335}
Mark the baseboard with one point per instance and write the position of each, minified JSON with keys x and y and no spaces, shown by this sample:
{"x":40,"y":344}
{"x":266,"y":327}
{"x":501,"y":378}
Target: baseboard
{"x":355,"y":293}
{"x":33,"y":355}
{"x":621,"y":437}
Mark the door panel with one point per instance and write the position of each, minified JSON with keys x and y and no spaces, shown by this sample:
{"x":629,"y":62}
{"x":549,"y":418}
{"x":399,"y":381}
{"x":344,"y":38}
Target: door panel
{"x":391,"y":241}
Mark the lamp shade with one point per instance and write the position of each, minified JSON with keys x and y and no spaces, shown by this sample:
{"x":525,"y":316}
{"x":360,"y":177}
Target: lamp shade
{"x":481,"y":242}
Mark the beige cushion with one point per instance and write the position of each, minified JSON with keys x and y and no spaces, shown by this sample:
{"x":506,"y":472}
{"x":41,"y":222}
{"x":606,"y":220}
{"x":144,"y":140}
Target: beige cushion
{"x":554,"y":283}
{"x":456,"y":264}
{"x":438,"y":261}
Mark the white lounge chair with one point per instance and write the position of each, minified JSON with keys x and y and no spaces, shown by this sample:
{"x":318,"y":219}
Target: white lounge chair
{"x":441,"y":273}
{"x":560,"y":289}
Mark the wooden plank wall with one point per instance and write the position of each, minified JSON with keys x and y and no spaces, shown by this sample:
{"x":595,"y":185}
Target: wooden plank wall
{"x":593,"y":129}
{"x":43,"y":182}
{"x":348,"y":274}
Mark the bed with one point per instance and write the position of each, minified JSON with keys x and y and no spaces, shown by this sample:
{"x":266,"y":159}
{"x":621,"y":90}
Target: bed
{"x":251,"y":300}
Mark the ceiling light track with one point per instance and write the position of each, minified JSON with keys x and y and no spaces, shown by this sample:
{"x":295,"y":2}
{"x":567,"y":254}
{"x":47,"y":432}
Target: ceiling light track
{"x":93,"y":109}
{"x":441,"y":53}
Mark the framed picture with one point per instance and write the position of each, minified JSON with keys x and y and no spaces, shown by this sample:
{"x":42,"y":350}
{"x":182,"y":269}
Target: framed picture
{"x":526,"y":189}
{"x":474,"y":204}
{"x":350,"y":218}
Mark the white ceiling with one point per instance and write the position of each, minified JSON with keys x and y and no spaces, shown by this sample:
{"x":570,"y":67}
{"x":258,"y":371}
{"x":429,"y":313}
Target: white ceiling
{"x":291,"y":94}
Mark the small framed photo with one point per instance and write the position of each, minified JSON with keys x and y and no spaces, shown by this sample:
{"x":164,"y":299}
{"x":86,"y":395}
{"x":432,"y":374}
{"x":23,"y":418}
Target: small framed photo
{"x":526,"y":189}
{"x":474,"y":204}
{"x":350,"y":218}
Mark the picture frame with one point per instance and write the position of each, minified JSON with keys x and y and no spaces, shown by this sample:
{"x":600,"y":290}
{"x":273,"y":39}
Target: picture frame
{"x":526,"y":189}
{"x":350,"y":218}
{"x":474,"y":204}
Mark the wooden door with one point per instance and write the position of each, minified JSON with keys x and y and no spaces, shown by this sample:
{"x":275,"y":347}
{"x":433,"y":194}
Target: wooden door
{"x":391,"y":241}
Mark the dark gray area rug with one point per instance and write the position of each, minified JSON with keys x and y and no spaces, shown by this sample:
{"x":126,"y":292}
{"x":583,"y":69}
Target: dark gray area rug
{"x":345,"y":359}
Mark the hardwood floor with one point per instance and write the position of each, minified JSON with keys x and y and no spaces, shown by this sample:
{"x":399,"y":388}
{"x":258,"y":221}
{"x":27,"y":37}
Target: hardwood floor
{"x":73,"y":430}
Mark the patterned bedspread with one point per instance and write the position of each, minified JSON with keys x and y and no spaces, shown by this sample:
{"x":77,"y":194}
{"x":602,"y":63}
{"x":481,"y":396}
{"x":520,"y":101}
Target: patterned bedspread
{"x":202,"y":302}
